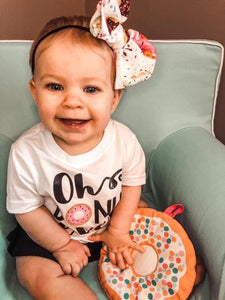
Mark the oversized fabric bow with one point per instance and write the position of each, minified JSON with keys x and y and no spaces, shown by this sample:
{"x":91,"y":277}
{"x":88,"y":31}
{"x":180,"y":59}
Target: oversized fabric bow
{"x":135,"y":55}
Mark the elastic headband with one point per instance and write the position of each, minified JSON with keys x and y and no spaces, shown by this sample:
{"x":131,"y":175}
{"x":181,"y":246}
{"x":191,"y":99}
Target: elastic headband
{"x":50,"y":33}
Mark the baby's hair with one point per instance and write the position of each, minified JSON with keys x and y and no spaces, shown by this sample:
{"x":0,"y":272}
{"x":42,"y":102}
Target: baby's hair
{"x":79,"y":31}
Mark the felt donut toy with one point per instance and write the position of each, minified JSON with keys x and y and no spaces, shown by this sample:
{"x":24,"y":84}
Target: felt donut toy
{"x":166,"y":270}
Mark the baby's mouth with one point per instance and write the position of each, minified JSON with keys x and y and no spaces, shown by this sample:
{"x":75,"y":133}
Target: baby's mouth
{"x":74,"y":122}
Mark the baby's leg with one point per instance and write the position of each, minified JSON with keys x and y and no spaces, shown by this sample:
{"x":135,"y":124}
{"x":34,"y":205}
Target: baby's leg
{"x":45,"y":280}
{"x":143,"y":204}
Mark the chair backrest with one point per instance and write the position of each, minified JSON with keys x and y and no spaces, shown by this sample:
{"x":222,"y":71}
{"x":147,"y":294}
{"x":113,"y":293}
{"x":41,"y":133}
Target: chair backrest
{"x":181,"y":92}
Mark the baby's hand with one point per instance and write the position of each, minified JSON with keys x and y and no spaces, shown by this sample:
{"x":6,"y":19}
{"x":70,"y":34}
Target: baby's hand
{"x":119,"y":246}
{"x":72,"y":257}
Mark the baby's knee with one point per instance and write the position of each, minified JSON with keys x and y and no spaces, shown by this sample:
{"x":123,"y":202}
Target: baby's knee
{"x":24,"y":274}
{"x":45,"y":280}
{"x":33,"y":278}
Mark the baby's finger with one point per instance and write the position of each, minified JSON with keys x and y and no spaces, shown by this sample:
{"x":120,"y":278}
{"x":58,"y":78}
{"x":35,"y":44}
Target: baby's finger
{"x":112,"y":258}
{"x":75,"y":269}
{"x":87,"y":251}
{"x":95,"y":238}
{"x":66,"y":267}
{"x":120,"y":261}
{"x":85,"y":261}
{"x":137,"y":247}
{"x":127,"y":257}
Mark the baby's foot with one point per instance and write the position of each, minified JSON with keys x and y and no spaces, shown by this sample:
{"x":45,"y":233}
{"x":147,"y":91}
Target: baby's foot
{"x":200,"y":270}
{"x":142,"y":204}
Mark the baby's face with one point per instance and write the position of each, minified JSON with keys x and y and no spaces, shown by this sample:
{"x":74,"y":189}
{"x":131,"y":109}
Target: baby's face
{"x":73,"y":90}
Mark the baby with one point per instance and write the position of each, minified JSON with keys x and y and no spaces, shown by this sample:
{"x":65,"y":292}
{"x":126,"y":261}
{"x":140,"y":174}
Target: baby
{"x":74,"y":180}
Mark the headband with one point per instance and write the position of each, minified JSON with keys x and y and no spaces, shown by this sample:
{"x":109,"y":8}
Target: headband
{"x":50,"y":33}
{"x":135,"y":55}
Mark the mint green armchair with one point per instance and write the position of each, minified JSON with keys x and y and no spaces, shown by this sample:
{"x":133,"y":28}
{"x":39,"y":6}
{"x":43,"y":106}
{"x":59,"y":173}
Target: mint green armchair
{"x":172,"y":116}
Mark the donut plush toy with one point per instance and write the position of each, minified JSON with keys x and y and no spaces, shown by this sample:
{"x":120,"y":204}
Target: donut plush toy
{"x":166,"y":270}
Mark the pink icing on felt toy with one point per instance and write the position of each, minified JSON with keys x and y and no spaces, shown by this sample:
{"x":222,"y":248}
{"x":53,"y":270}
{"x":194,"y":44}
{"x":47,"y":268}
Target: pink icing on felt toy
{"x":78,"y":214}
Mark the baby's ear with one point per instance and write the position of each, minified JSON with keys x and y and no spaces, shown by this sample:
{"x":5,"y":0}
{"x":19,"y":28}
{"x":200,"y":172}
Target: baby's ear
{"x":32,"y":87}
{"x":116,"y":99}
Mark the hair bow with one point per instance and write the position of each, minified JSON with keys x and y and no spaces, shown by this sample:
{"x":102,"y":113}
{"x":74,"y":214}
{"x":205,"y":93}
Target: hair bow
{"x":135,"y":55}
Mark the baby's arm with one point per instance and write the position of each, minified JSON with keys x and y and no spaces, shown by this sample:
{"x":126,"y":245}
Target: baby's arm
{"x":45,"y":231}
{"x":116,"y":236}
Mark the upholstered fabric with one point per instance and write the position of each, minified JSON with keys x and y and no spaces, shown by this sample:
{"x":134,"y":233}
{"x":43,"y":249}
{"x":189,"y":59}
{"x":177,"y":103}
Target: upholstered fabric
{"x":172,"y":116}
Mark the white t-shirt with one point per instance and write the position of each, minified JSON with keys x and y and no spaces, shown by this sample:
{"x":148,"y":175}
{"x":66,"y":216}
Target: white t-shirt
{"x":80,"y":191}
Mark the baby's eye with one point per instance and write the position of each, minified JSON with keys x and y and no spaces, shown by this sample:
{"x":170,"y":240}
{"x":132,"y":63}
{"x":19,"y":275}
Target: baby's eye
{"x":91,"y":89}
{"x":55,"y":86}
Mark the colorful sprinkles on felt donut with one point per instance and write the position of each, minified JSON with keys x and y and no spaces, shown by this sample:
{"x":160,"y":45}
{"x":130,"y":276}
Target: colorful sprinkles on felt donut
{"x":171,"y":265}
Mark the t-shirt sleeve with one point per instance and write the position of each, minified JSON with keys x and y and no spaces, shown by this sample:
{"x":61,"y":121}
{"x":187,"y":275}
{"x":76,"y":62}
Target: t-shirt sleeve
{"x":22,"y":195}
{"x":134,"y":163}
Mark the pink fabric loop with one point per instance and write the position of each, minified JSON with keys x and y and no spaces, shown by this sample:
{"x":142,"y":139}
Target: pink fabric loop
{"x":174,"y":210}
{"x":135,"y":55}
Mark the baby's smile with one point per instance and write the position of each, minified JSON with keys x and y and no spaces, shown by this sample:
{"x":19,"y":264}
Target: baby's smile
{"x":74,"y":123}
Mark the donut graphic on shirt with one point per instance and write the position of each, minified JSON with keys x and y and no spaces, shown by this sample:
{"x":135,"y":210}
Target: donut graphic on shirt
{"x":78,"y":214}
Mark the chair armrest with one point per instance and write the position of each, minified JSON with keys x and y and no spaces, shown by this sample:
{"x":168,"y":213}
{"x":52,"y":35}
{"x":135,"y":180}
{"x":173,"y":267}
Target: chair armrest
{"x":189,"y":167}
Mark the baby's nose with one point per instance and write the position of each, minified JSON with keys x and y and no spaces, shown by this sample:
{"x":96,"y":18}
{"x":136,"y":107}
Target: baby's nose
{"x":72,"y":101}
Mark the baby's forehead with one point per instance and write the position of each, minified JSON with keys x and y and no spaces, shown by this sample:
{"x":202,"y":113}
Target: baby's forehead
{"x":77,"y":40}
{"x":58,"y":43}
